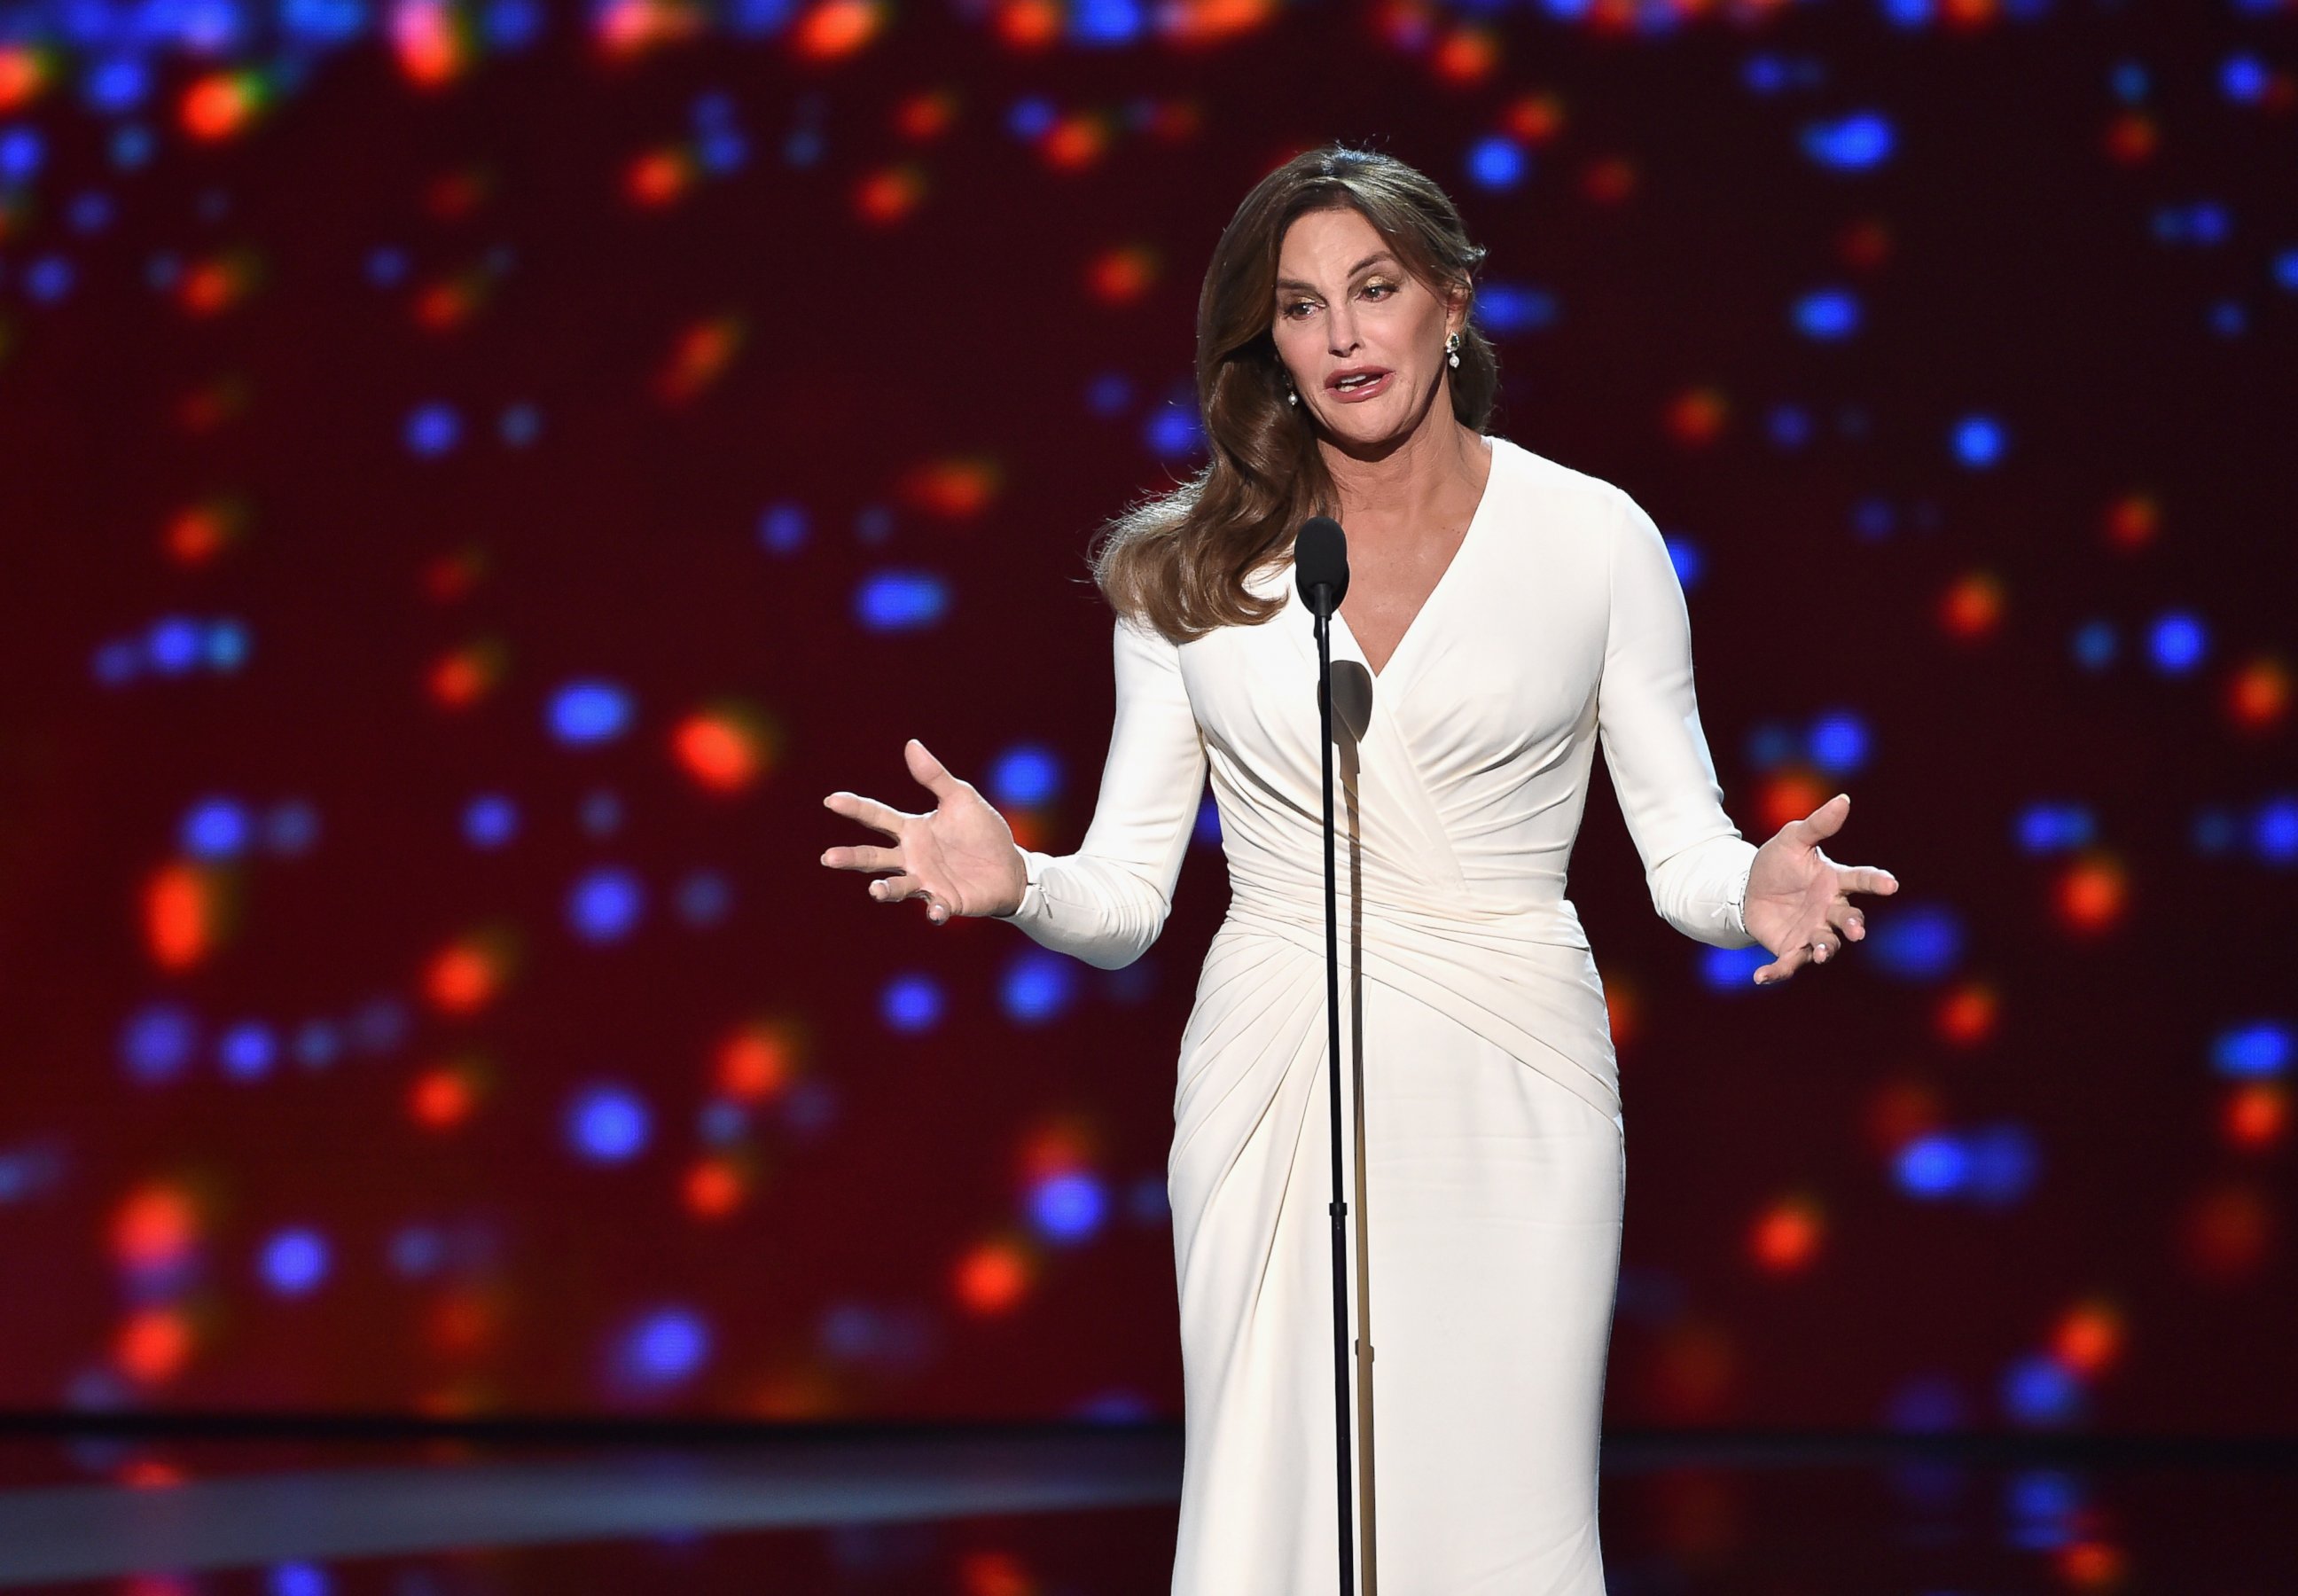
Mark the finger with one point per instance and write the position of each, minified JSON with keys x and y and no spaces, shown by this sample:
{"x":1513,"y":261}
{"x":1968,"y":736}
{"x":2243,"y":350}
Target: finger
{"x":894,"y":889}
{"x":1866,"y":878}
{"x":1848,"y":919}
{"x":870,"y":812}
{"x":1826,"y":820}
{"x":1783,"y":967}
{"x":929,"y":771}
{"x":863,"y":857}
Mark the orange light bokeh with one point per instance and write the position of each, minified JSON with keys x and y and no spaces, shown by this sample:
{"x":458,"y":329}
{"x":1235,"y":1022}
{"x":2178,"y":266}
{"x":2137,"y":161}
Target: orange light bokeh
{"x":431,"y":41}
{"x":2255,"y":1115}
{"x":24,"y":73}
{"x":724,"y":748}
{"x":1060,"y":1147}
{"x":153,"y":1344}
{"x":1695,"y":416}
{"x":441,"y":1098}
{"x":657,"y":177}
{"x":1074,"y":142}
{"x":463,"y":1321}
{"x":450,"y":576}
{"x":1968,"y":1013}
{"x":2093,"y":894}
{"x":1790,"y":793}
{"x":211,"y":286}
{"x":1123,"y":275}
{"x":2131,"y":138}
{"x":1535,"y":119}
{"x":2089,"y":1338}
{"x":713,"y":1189}
{"x":209,"y":406}
{"x":2258,"y":694}
{"x":2132,"y":520}
{"x":219,"y":105}
{"x":1898,"y":1112}
{"x":1467,"y":55}
{"x":2227,"y":1233}
{"x":1204,"y":23}
{"x":1785,"y":1238}
{"x":468,"y":973}
{"x":155,"y":1225}
{"x":623,"y":29}
{"x":1623,"y":1008}
{"x":462,"y":677}
{"x":1695,"y":1371}
{"x":758,"y":1062}
{"x":185,"y":914}
{"x":834,"y":30}
{"x":1028,"y":24}
{"x":199,"y":532}
{"x":993,"y":1278}
{"x":1865,"y":243}
{"x":993,"y":1574}
{"x":927,"y":114}
{"x":2092,"y":1565}
{"x":1610,"y":180}
{"x":700,"y":357}
{"x":957,"y":488}
{"x":1972,"y":607}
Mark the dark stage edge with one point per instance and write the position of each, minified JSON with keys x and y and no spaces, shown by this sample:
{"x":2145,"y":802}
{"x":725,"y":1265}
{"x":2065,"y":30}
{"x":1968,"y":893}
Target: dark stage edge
{"x":463,"y":1484}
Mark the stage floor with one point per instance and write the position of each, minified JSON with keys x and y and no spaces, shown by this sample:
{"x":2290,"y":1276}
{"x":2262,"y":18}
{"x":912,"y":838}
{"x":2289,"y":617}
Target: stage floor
{"x":1071,"y":1511}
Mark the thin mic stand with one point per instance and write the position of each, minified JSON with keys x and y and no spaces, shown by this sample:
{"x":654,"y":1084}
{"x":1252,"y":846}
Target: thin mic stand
{"x":1339,"y":1206}
{"x":1320,"y":560}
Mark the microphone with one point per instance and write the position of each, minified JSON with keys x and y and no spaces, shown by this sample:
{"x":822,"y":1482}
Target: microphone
{"x":1321,"y":565}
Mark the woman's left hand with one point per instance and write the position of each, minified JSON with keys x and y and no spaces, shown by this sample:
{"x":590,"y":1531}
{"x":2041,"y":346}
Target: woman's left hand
{"x":1798,"y":900}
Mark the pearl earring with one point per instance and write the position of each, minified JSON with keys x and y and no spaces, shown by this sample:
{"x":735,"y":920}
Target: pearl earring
{"x":1452,"y":350}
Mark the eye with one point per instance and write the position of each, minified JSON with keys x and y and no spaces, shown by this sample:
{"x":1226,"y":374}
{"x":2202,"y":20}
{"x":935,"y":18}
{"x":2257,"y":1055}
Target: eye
{"x":1295,"y":307}
{"x":1379,"y":289}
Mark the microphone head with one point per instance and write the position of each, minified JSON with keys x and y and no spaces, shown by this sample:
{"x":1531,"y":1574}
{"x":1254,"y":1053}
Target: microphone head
{"x":1320,"y":564}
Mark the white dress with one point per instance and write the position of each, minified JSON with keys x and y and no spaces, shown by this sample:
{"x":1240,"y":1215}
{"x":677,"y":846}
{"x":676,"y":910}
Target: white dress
{"x":1494,"y":1163}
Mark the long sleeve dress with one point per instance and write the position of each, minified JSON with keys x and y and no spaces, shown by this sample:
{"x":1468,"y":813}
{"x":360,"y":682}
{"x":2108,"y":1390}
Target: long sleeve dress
{"x":1493,"y":1166}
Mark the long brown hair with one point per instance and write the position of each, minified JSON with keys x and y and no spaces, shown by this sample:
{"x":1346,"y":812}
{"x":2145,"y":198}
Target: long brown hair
{"x":1180,"y":561}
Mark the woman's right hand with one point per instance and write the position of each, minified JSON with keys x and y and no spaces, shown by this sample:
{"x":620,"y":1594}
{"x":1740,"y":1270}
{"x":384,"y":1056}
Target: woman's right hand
{"x":960,"y":856}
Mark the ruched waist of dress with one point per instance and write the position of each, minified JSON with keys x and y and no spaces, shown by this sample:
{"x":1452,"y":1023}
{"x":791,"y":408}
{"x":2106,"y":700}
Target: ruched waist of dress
{"x":1522,"y":976}
{"x":1389,"y":920}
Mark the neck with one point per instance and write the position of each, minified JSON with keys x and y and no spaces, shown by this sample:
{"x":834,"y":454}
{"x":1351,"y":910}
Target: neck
{"x":1400,"y":477}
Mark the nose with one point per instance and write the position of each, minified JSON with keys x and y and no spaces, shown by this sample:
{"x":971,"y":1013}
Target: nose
{"x":1341,"y":330}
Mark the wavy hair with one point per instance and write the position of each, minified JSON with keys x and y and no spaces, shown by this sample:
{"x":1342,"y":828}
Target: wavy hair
{"x":1180,"y":561}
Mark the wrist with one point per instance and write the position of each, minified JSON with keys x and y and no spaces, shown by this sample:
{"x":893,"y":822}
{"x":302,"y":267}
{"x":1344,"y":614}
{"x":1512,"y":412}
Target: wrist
{"x":1737,"y":899}
{"x":1030,"y":864}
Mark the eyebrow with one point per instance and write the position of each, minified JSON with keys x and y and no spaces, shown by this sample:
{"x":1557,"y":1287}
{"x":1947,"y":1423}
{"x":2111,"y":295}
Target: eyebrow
{"x":1378,"y":255}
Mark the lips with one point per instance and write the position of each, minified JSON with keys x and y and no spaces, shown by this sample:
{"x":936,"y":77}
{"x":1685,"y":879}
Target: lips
{"x":1356,"y":384}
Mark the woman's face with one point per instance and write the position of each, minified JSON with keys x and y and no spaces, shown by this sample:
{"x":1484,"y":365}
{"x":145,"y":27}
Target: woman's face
{"x":1363,"y":339}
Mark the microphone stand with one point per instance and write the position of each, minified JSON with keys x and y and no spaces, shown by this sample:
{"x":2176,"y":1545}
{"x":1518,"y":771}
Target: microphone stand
{"x":1338,"y":1207}
{"x":1320,"y":562}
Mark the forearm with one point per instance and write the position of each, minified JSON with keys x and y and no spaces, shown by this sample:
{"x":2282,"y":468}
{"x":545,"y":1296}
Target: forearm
{"x":1702,"y":890}
{"x":1097,"y":910}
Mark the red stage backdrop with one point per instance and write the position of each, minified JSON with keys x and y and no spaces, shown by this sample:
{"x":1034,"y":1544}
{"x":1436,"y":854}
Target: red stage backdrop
{"x":478,"y":474}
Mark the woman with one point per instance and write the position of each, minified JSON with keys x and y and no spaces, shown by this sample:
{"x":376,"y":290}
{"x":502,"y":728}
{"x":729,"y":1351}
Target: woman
{"x":1504,"y":615}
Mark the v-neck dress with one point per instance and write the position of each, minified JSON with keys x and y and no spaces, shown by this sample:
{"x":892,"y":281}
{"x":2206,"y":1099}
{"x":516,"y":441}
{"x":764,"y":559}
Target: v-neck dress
{"x":1493,"y":1165}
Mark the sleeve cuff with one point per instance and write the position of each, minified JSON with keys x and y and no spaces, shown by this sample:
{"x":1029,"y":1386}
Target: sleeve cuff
{"x":1033,"y":895}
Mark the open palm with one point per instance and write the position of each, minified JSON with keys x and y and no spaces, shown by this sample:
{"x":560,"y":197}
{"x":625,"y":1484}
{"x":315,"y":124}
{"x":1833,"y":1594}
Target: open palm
{"x":1800,"y":903}
{"x":959,"y":855}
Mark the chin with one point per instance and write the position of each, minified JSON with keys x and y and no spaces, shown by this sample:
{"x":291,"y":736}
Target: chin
{"x":1352,"y":426}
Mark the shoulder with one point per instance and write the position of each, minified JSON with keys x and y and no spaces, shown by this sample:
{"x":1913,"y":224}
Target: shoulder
{"x":1588,"y":503}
